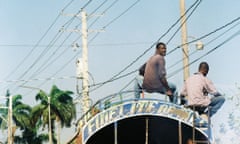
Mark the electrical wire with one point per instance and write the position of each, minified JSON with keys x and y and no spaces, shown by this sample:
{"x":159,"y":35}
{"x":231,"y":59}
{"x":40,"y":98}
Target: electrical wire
{"x":45,"y":51}
{"x":110,"y":6}
{"x":124,"y":12}
{"x":101,"y":83}
{"x":108,"y":23}
{"x":217,"y":37}
{"x":94,"y":11}
{"x":206,"y":35}
{"x":48,"y":61}
{"x":39,"y":41}
{"x":75,"y":40}
{"x":125,"y":68}
{"x":112,"y":20}
{"x":115,"y":19}
{"x":89,"y":1}
{"x":128,"y":84}
{"x":122,"y":76}
{"x":97,"y":44}
{"x":38,"y":79}
{"x":210,"y":51}
{"x":34,"y":48}
{"x":194,"y":9}
{"x":36,"y":45}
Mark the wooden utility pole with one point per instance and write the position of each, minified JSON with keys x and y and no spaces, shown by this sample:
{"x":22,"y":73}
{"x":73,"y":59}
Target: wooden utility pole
{"x":184,"y":40}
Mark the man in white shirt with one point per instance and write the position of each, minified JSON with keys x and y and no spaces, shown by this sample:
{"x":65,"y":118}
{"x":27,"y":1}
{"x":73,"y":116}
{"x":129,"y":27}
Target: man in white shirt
{"x":198,"y":86}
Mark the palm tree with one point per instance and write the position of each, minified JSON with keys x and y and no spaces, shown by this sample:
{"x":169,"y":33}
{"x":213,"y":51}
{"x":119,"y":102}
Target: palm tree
{"x":30,"y":136}
{"x":63,"y":110}
{"x":20,"y":114}
{"x":4,"y":113}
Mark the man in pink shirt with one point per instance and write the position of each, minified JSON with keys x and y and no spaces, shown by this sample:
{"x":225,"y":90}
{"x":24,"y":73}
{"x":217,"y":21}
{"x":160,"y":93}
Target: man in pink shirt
{"x":198,"y":86}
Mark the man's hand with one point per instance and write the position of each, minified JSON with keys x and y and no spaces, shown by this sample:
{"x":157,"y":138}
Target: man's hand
{"x":169,"y":92}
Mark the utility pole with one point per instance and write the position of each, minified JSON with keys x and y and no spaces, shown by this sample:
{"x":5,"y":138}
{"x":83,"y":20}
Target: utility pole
{"x":10,"y":120}
{"x":82,"y":63}
{"x":184,"y":40}
{"x":49,"y":121}
{"x":85,"y":84}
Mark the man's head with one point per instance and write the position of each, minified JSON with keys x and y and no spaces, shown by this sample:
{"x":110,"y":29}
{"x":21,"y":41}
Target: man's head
{"x":161,"y":49}
{"x":203,"y":68}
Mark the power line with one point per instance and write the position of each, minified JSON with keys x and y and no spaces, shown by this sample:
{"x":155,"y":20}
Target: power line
{"x":55,"y":38}
{"x":28,"y":45}
{"x":110,"y":6}
{"x":206,"y":35}
{"x":217,"y":37}
{"x":89,"y":1}
{"x":97,"y":44}
{"x":43,"y":36}
{"x":36,"y":45}
{"x":43,"y":53}
{"x":34,"y":48}
{"x":75,"y":40}
{"x":128,"y":84}
{"x":94,"y":11}
{"x":125,"y":68}
{"x":171,"y":37}
{"x":210,"y":51}
{"x":47,"y":49}
{"x":116,"y":78}
{"x":38,"y":79}
{"x":116,"y":18}
{"x":174,"y":34}
{"x":220,"y":35}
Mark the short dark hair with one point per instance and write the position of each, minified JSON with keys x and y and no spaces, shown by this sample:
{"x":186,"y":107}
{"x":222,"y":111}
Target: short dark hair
{"x":160,"y":43}
{"x":203,"y":65}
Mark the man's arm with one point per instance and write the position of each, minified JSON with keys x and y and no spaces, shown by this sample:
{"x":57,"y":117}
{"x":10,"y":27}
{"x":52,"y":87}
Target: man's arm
{"x":162,"y":75}
{"x":165,"y":84}
{"x":211,"y":88}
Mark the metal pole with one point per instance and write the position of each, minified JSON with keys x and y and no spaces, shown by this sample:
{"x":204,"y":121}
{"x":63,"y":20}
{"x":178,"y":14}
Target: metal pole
{"x":146,"y":132}
{"x":49,"y":121}
{"x":115,"y":132}
{"x":184,"y":40}
{"x":10,"y":120}
{"x":179,"y":132}
{"x":85,"y":90}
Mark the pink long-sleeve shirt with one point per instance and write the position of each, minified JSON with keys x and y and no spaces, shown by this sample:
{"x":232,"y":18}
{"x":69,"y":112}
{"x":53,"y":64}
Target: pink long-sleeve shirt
{"x":194,"y":88}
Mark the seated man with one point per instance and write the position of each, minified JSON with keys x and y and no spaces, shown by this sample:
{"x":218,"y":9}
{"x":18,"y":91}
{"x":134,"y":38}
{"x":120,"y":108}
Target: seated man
{"x":198,"y":86}
{"x":155,"y":75}
{"x":139,"y":81}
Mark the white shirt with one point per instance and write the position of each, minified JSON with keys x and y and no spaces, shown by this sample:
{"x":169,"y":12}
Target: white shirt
{"x":194,"y":87}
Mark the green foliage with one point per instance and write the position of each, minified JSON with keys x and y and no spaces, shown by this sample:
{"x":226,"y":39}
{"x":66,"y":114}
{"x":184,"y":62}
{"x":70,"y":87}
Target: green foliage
{"x":30,"y":119}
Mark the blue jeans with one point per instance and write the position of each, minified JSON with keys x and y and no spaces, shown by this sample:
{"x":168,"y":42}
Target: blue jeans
{"x":138,"y":86}
{"x":173,"y":88}
{"x":216,"y":103}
